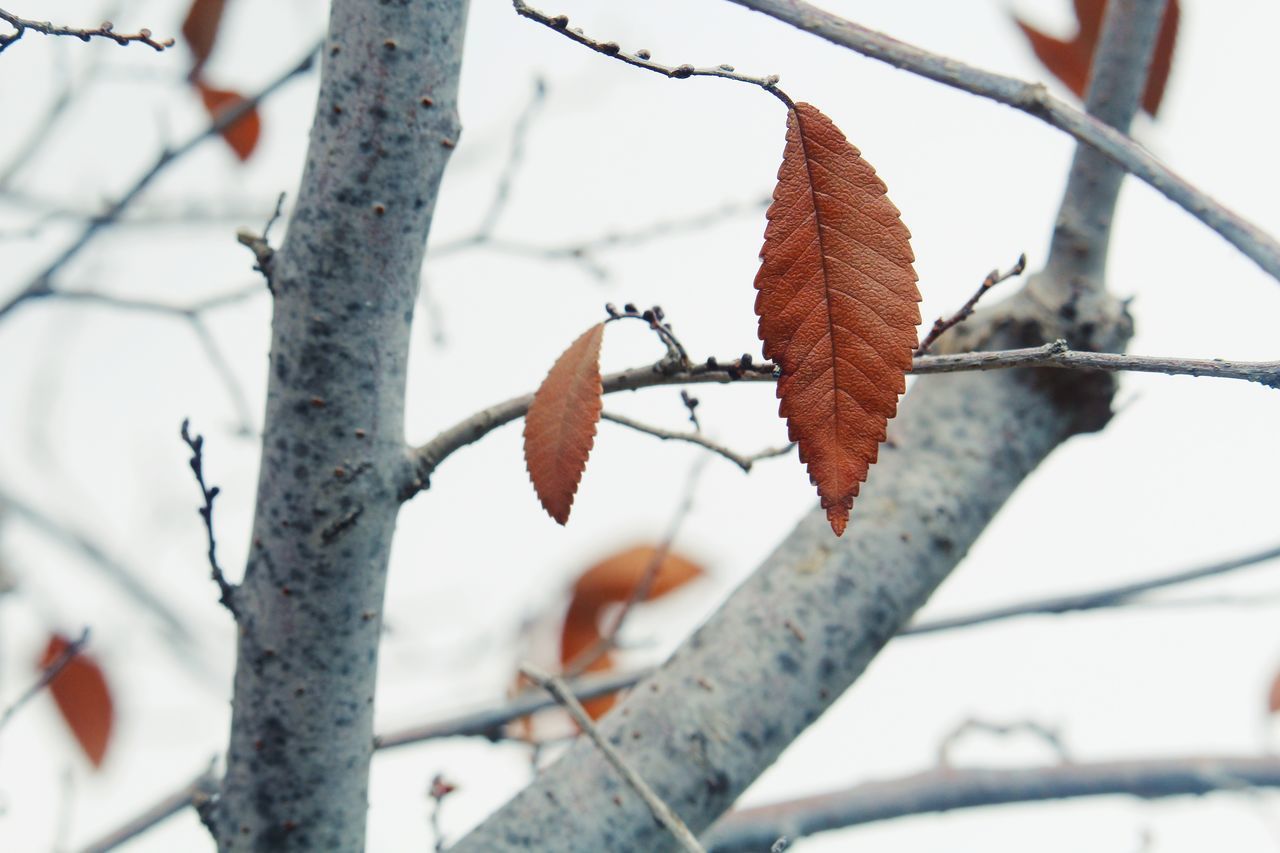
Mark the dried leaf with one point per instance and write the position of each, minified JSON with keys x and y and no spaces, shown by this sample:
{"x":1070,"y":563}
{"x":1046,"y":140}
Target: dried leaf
{"x":837,"y":306}
{"x":200,"y":29}
{"x":81,"y":693}
{"x":242,"y":134}
{"x":1273,"y":700}
{"x":1070,"y":61}
{"x":560,"y":427}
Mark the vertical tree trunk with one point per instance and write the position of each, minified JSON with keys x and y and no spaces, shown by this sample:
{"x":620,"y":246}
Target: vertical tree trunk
{"x":345,"y":282}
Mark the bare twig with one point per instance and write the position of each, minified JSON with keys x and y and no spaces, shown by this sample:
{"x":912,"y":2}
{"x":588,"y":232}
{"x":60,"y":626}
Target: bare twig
{"x":42,"y":284}
{"x":515,"y":159}
{"x":428,"y":457}
{"x":1050,"y":736}
{"x":260,"y":244}
{"x":661,"y":811}
{"x":198,"y":790}
{"x":104,"y":30}
{"x":640,"y":59}
{"x":1032,"y":98}
{"x":227,"y":590}
{"x":1114,"y":596}
{"x":941,"y":325}
{"x":608,"y":638}
{"x":47,"y":675}
{"x":949,"y":789}
{"x":742,"y":461}
{"x":124,"y":577}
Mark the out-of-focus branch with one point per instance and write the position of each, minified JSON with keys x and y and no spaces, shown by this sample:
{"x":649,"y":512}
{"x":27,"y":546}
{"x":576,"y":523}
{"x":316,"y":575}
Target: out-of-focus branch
{"x":1034,"y":99}
{"x":1114,"y":596}
{"x":47,"y":675}
{"x":950,"y":788}
{"x":198,"y":790}
{"x":42,"y":284}
{"x":427,"y":457}
{"x":105,"y":30}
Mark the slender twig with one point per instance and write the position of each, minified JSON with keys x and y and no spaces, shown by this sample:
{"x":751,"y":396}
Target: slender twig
{"x":227,"y":590}
{"x":427,"y":457}
{"x":608,"y":638}
{"x":1047,"y":734}
{"x":742,"y":461}
{"x":948,"y":789}
{"x":677,"y":356}
{"x":42,"y":285}
{"x":515,"y":159}
{"x":1112,"y":596}
{"x":260,"y":244}
{"x":104,"y":30}
{"x":640,"y":59}
{"x":124,"y":577}
{"x":488,"y":721}
{"x":942,"y":324}
{"x":47,"y":675}
{"x":1034,"y":99}
{"x":199,"y":789}
{"x":661,"y":811}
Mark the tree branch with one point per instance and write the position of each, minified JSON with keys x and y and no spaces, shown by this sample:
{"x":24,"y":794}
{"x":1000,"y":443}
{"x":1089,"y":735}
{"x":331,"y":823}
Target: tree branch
{"x":47,"y":675}
{"x":742,"y":461}
{"x":1034,"y":99}
{"x":42,"y":284}
{"x":947,"y":789}
{"x":426,"y":458}
{"x":1114,"y":596}
{"x":661,"y":811}
{"x":104,"y":31}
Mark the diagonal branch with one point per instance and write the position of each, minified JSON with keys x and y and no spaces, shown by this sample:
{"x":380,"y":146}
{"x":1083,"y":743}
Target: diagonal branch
{"x":42,"y":284}
{"x":1034,"y":99}
{"x":105,"y":30}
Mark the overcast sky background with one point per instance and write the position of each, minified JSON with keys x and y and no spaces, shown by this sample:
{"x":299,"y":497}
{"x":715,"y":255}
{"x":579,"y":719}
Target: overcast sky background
{"x":91,"y":400}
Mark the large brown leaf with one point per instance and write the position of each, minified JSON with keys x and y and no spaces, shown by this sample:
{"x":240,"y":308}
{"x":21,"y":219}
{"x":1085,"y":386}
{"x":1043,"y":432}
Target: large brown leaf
{"x":80,"y":691}
{"x":837,"y":306}
{"x":1070,"y":61}
{"x":560,"y":427}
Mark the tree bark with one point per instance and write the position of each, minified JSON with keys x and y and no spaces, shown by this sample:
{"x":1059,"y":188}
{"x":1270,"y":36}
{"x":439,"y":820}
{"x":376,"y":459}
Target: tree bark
{"x":345,"y":282}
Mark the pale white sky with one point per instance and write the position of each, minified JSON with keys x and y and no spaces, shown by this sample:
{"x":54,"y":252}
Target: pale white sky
{"x":91,"y":400}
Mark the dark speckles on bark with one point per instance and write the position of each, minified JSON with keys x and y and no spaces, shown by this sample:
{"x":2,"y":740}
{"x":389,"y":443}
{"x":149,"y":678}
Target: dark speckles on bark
{"x":787,"y":663}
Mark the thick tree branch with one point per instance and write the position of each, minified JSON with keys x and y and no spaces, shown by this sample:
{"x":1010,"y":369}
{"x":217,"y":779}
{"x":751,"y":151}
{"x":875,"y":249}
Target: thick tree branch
{"x":1032,"y":98}
{"x":427,"y":457}
{"x":950,"y":788}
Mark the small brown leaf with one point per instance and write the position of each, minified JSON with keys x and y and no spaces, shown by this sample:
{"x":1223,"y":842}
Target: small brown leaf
{"x":242,"y":134}
{"x":80,"y":691}
{"x":1273,"y":700}
{"x":560,"y":427}
{"x":837,"y":306}
{"x":1070,"y":61}
{"x":200,"y":30}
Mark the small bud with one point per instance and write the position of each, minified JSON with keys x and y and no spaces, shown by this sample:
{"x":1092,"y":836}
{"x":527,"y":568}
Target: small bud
{"x":643,"y":54}
{"x":658,"y":312}
{"x":682,"y":72}
{"x":630,"y":308}
{"x":746,"y":360}
{"x":726,"y":67}
{"x":610,"y":48}
{"x":712,"y":363}
{"x":612,"y":310}
{"x":560,"y":21}
{"x":648,"y":315}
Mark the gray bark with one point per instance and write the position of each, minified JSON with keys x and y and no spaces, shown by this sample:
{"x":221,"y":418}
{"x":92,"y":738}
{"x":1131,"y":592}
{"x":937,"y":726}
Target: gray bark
{"x":808,"y":621}
{"x":345,"y":282}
